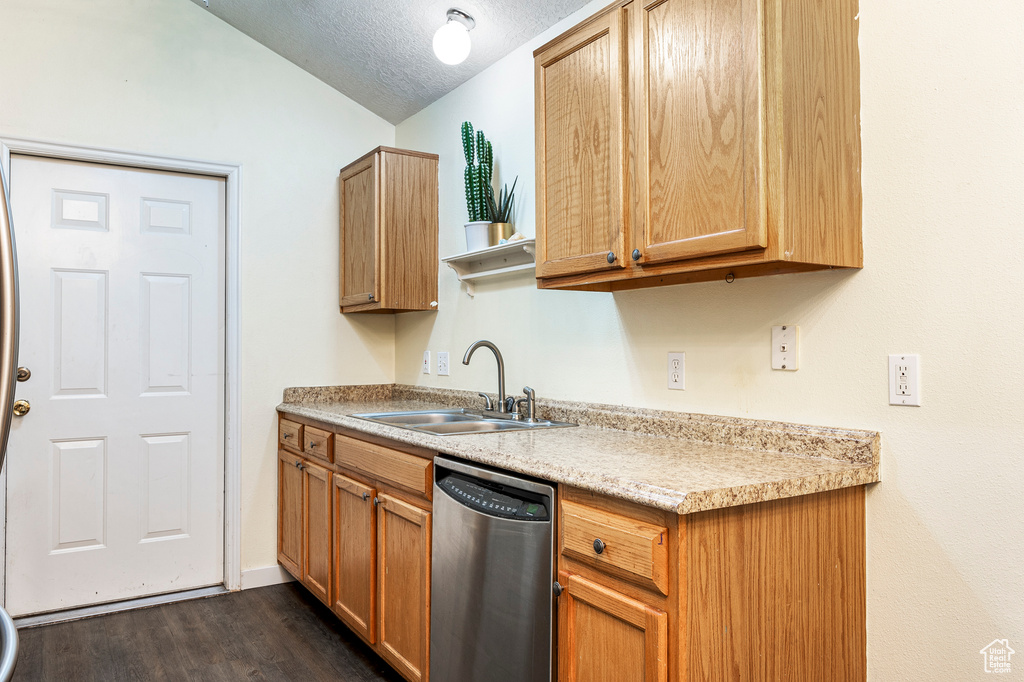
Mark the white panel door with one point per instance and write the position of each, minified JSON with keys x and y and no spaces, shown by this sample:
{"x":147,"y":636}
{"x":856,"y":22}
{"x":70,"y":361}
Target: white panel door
{"x":115,"y":477}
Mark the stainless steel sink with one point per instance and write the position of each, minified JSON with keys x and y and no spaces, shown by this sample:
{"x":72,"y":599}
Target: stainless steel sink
{"x":410,"y":418}
{"x":455,"y":422}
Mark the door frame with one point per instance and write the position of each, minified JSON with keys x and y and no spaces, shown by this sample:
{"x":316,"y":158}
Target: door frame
{"x":232,"y":175}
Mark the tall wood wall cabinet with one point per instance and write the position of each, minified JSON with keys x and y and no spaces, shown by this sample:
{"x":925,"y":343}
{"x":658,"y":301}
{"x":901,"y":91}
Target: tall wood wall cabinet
{"x":683,"y":141}
{"x":389,"y":232}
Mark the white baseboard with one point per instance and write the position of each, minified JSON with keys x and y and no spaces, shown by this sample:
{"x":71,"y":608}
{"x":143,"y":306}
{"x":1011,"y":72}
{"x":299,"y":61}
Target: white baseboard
{"x":267,"y":575}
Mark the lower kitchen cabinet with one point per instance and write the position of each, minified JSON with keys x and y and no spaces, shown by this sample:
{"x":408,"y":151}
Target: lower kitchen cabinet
{"x":354,"y":527}
{"x":316,"y":531}
{"x":403,"y":586}
{"x":355,"y":554}
{"x":289,"y":512}
{"x":303,"y":525}
{"x":605,"y":635}
{"x":766,"y":591}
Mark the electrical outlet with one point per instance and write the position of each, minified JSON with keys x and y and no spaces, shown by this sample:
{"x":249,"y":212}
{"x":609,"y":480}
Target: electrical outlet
{"x":904,"y":380}
{"x":786,"y":347}
{"x":677,"y":371}
{"x":442,"y":363}
{"x":426,"y":362}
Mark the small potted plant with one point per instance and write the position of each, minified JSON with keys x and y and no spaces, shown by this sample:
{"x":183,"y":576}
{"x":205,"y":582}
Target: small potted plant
{"x":479,"y":167}
{"x":501,"y":213}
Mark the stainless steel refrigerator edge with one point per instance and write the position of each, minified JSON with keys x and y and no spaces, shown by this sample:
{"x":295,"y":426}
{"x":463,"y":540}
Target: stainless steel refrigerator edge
{"x":8,"y":373}
{"x":491,"y":602}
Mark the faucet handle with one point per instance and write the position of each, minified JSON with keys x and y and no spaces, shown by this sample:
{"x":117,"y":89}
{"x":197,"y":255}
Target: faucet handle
{"x":488,"y":406}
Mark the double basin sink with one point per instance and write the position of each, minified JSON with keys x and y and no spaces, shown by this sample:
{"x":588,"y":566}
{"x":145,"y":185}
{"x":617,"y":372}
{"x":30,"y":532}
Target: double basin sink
{"x":456,"y":422}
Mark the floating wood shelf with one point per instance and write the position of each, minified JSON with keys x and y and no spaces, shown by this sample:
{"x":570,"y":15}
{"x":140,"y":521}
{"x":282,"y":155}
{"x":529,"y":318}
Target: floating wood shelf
{"x":492,"y":261}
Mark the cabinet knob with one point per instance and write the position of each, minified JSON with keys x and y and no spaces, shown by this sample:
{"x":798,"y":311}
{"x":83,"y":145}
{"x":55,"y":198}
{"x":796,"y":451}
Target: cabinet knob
{"x":371,"y":297}
{"x":312,"y":444}
{"x":376,"y":501}
{"x":611,"y":256}
{"x":287,"y":436}
{"x":302,"y":467}
{"x":599,"y":545}
{"x":636,"y":254}
{"x":365,"y":496}
{"x":557,"y":589}
{"x":298,"y":463}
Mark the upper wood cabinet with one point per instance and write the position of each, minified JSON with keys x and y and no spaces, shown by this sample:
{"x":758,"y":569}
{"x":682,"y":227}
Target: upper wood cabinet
{"x":685,"y":140}
{"x":389,"y":232}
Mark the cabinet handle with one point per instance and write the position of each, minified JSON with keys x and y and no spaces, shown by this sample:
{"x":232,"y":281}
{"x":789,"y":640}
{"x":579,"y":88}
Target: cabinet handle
{"x":599,"y":545}
{"x":312,"y":444}
{"x":365,"y":496}
{"x":557,"y":589}
{"x":302,"y":467}
{"x":611,"y":256}
{"x":375,"y":502}
{"x":287,"y":436}
{"x":298,"y":463}
{"x":636,"y":254}
{"x":371,"y":297}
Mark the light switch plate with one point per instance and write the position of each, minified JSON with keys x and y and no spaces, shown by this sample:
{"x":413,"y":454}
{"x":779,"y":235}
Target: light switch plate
{"x":677,"y":371}
{"x":442,"y":363}
{"x":786,"y":347}
{"x":426,"y":362}
{"x":905,"y":380}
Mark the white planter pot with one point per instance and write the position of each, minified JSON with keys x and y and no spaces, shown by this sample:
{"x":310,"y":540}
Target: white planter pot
{"x":477,"y":235}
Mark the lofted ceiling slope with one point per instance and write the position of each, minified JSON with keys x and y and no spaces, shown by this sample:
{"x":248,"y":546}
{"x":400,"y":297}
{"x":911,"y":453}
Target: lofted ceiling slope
{"x":379,"y":53}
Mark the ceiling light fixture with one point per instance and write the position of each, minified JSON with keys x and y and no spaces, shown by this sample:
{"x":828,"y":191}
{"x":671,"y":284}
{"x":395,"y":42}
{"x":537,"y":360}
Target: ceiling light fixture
{"x":451,"y":42}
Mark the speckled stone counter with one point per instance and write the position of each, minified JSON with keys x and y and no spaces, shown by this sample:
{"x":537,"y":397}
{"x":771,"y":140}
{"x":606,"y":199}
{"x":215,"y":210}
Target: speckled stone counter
{"x":675,"y":461}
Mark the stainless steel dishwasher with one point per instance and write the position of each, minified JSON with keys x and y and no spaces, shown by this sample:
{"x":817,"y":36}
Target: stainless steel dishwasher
{"x":491,"y":575}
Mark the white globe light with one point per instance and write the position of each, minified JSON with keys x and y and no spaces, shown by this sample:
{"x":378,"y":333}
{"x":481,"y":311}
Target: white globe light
{"x":451,"y":43}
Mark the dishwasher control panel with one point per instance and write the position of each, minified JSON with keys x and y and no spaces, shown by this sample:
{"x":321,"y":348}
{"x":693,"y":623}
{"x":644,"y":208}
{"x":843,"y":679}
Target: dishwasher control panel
{"x":498,"y":500}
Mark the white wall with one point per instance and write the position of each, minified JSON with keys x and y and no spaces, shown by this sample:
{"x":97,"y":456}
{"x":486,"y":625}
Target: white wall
{"x":943,"y":143}
{"x":164,"y":77}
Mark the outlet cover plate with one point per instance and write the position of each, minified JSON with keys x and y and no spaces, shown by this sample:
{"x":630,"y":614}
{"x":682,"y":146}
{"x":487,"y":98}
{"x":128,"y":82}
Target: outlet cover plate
{"x":786,"y":347}
{"x":905,"y":379}
{"x":426,"y":362}
{"x":676,"y":374}
{"x":442,"y":363}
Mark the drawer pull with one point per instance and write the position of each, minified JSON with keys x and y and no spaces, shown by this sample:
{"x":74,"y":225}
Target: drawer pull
{"x":599,"y":545}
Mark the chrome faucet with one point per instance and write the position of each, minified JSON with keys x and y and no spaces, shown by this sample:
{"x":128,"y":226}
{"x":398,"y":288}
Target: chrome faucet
{"x":502,"y":407}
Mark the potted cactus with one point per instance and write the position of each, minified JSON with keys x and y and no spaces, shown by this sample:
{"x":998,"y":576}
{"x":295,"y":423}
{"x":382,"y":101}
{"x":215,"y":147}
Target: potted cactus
{"x":490,"y":219}
{"x":479,"y":167}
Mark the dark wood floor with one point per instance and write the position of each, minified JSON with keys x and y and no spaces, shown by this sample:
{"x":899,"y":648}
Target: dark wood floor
{"x":271,"y":633}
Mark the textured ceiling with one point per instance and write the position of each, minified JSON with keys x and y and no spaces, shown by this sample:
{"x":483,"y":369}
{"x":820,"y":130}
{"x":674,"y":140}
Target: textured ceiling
{"x":379,"y":53}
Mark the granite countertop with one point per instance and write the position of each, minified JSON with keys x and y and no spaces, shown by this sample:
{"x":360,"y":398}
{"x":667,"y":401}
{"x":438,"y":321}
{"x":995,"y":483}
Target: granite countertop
{"x":675,"y":461}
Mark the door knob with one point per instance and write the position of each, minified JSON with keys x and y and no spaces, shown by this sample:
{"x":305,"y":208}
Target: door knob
{"x":21,"y":408}
{"x":24,"y":373}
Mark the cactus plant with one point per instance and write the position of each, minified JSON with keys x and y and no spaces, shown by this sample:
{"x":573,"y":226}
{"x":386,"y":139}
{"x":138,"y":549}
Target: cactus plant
{"x":479,"y":172}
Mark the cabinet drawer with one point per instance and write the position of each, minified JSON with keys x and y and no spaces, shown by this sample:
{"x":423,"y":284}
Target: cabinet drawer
{"x":317,"y":443}
{"x":633,"y":550}
{"x":289,"y":434}
{"x":384,"y":464}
